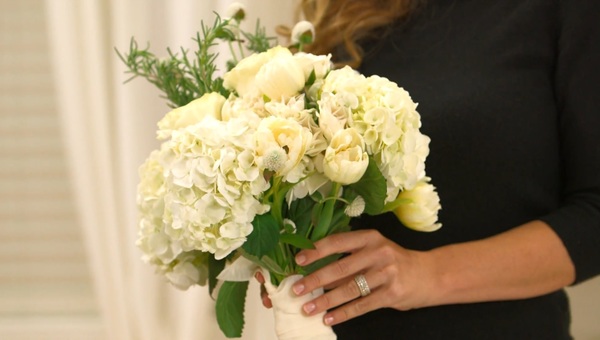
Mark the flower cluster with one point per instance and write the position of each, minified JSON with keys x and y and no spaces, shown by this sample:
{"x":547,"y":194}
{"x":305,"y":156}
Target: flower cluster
{"x":289,"y":118}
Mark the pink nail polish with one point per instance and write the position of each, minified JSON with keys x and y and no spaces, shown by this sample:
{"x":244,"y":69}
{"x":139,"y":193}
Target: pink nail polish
{"x":328,"y":320}
{"x":298,"y":289}
{"x":309,"y":308}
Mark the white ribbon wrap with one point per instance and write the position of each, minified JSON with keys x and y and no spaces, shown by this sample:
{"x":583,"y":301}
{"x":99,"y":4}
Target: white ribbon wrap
{"x":290,"y":322}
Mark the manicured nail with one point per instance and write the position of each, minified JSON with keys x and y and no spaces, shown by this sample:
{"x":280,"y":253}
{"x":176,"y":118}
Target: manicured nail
{"x":328,"y":320}
{"x":298,"y":289}
{"x":309,"y":307}
{"x":300,"y":259}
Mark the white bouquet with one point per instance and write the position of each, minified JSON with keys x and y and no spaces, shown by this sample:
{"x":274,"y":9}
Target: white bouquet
{"x":280,"y":152}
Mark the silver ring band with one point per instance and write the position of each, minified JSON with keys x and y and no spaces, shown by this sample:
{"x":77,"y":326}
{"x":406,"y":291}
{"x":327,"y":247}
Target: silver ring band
{"x":363,"y":287}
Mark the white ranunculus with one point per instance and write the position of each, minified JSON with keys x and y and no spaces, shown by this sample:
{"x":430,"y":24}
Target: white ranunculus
{"x":281,"y":137}
{"x":194,"y":112}
{"x":280,"y":78}
{"x":421,"y":211}
{"x":345,"y":159}
{"x":242,"y":78}
{"x":332,"y":116}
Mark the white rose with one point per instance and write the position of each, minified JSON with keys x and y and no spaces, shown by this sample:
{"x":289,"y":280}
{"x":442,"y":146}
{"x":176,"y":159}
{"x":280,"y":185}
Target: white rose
{"x":321,"y":64}
{"x":345,"y":159}
{"x":242,"y":78}
{"x":209,"y":104}
{"x":421,"y":212}
{"x":281,"y":144}
{"x":345,"y":79}
{"x":281,"y":78}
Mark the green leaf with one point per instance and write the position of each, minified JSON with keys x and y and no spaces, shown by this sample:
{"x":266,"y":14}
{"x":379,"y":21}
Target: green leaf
{"x":372,"y":188}
{"x":272,"y":266}
{"x":296,"y":240}
{"x":264,"y":237}
{"x":214,"y":269}
{"x":230,"y":308}
{"x":311,"y":78}
{"x":300,"y":213}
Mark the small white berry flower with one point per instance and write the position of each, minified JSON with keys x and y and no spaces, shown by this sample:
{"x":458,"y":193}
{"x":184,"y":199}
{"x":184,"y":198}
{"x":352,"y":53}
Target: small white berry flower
{"x":355,"y":208}
{"x":274,"y":159}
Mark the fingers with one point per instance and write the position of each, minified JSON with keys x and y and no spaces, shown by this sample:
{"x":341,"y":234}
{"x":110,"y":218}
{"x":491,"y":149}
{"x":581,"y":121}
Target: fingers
{"x":263,"y":292}
{"x":345,"y":293}
{"x":355,"y":308}
{"x":336,"y":244}
{"x":338,"y":271}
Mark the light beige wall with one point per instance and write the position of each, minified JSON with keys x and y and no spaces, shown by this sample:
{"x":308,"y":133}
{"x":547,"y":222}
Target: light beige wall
{"x":45,"y":286}
{"x":585,"y":302}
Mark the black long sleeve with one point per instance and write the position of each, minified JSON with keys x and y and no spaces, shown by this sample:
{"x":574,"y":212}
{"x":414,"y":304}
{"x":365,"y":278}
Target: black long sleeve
{"x":577,"y":80}
{"x":507,"y":93}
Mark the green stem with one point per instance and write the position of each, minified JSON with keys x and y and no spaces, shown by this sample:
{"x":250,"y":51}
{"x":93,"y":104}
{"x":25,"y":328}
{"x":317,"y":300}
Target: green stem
{"x":231,"y":49}
{"x":241,"y":48}
{"x":322,"y":228}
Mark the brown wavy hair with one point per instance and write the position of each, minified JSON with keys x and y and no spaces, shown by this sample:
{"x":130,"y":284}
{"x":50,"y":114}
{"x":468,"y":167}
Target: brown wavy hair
{"x":341,"y":24}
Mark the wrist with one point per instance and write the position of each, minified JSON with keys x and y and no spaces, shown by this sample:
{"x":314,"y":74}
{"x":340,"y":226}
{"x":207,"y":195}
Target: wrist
{"x":441,"y":284}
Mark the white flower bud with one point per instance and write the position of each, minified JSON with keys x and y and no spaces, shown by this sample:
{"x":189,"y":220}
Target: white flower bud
{"x":355,"y":208}
{"x":303,"y":32}
{"x":289,"y":224}
{"x":421,"y":212}
{"x":236,"y":11}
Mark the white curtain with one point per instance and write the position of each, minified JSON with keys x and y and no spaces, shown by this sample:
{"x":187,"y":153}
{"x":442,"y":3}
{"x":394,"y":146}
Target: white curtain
{"x":109,"y":129}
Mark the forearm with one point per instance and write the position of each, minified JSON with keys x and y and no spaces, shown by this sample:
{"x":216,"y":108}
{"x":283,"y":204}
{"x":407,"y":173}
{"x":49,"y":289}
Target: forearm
{"x":524,"y":262}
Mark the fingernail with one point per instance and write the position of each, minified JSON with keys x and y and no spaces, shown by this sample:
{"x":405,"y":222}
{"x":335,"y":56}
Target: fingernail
{"x":328,"y":320}
{"x":309,"y":307}
{"x":298,"y":289}
{"x":300,"y":259}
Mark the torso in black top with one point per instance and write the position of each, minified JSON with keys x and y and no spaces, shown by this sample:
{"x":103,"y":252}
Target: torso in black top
{"x":504,"y":90}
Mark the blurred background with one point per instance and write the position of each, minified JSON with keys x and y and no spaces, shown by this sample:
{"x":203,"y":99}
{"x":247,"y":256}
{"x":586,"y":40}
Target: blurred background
{"x":71,"y":139}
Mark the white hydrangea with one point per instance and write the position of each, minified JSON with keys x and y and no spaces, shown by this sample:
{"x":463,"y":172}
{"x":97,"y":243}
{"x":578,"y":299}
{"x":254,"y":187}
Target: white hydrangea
{"x":210,"y":185}
{"x":387,"y":118}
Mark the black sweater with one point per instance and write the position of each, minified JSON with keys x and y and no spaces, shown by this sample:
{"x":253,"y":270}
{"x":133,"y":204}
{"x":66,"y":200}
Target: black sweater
{"x":508,"y":91}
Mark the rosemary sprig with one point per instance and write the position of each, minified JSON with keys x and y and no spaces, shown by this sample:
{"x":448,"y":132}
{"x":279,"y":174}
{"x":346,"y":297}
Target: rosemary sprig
{"x":182,"y":78}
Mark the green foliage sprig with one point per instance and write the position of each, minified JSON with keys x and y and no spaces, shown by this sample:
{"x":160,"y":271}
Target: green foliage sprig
{"x":182,"y":78}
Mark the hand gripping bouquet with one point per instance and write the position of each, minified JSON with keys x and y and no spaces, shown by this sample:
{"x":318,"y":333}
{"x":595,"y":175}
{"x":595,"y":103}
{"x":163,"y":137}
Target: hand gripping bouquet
{"x":279,"y":152}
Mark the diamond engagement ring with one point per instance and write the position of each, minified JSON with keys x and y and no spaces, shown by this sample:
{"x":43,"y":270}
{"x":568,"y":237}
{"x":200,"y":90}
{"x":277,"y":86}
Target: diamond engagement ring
{"x":363,"y":287}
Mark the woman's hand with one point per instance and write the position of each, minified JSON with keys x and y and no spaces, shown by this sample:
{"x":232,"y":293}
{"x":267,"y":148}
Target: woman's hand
{"x":398,"y":278}
{"x":264,"y":296}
